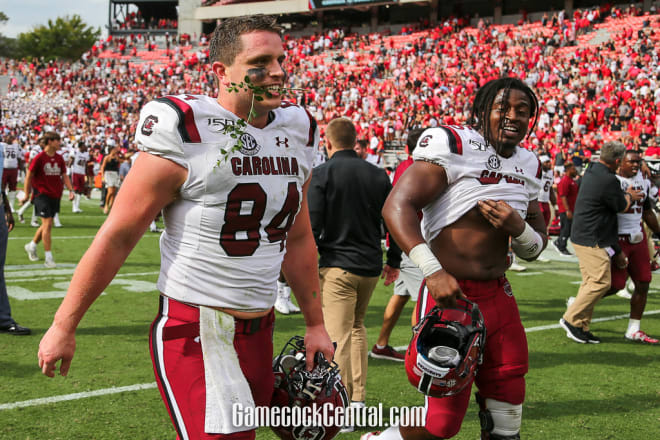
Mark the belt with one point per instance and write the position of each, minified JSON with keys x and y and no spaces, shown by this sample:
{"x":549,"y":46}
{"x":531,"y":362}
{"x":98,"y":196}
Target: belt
{"x":243,"y":326}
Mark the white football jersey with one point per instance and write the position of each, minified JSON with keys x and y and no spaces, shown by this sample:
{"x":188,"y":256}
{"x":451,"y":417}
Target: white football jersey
{"x":12,"y":152}
{"x":79,"y":165}
{"x":224,"y":238}
{"x":34,"y":150}
{"x":474,"y":172}
{"x":630,"y":222}
{"x":547,"y":179}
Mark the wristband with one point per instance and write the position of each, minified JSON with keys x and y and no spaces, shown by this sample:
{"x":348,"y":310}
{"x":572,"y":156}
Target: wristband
{"x":527,"y":245}
{"x":422,"y":256}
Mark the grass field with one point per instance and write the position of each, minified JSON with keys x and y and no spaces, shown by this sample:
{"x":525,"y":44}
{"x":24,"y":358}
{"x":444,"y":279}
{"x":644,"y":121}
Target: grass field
{"x":606,"y":391}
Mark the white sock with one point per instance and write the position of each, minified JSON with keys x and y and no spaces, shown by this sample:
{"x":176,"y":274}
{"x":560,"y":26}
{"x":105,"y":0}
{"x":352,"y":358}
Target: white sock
{"x":283,"y":289}
{"x":32,"y":245}
{"x":11,"y":196}
{"x":56,"y":218}
{"x":49,"y":255}
{"x":152,"y":226}
{"x":633,"y":326}
{"x":380,"y":347}
{"x":76,"y":202}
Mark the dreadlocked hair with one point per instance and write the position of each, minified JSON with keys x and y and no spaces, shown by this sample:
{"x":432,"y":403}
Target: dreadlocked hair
{"x":483,"y":103}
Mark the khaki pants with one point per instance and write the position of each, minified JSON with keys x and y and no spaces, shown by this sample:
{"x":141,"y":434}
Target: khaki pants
{"x":345,"y":299}
{"x":596,"y":281}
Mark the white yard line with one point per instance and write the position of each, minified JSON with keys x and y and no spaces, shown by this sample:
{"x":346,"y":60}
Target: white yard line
{"x":554,"y":326}
{"x":76,"y":237}
{"x":76,"y":396}
{"x":147,"y":386}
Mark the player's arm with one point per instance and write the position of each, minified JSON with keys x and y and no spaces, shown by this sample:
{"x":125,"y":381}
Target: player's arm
{"x":526,"y":245}
{"x":300,"y":268}
{"x":27,"y":186}
{"x":528,"y":237}
{"x":419,"y":185}
{"x":650,"y":219}
{"x":67,"y":183}
{"x":553,"y":196}
{"x":152,"y":183}
{"x":8,"y":217}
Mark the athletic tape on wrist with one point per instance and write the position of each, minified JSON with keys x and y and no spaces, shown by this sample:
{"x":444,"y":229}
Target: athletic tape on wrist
{"x":528,"y":244}
{"x":422,"y":256}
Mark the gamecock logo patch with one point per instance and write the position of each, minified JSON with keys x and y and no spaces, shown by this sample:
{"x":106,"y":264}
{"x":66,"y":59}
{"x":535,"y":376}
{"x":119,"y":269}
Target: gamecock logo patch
{"x":148,"y":125}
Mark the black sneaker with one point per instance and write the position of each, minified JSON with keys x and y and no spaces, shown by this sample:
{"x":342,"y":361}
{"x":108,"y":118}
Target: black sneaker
{"x":15,"y":330}
{"x":591,"y":338}
{"x":562,"y":250}
{"x":575,"y":333}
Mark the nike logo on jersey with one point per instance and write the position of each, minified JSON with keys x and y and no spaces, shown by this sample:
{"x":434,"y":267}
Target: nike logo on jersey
{"x":264,"y":166}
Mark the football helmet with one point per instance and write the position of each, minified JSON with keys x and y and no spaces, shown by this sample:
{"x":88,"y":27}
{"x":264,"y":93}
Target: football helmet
{"x":446,"y":346}
{"x":295,"y":386}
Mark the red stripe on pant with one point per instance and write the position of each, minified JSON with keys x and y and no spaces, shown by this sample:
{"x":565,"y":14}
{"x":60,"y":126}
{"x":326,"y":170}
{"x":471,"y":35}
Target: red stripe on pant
{"x":176,"y":354}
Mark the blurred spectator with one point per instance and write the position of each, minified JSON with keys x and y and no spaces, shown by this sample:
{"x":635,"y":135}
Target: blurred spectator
{"x":567,"y":191}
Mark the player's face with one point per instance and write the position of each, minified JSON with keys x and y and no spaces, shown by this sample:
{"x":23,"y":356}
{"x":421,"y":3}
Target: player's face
{"x":547,"y":165}
{"x":509,"y":120}
{"x":55,"y":144}
{"x":361,"y":152}
{"x":261,"y":60}
{"x":630,"y":164}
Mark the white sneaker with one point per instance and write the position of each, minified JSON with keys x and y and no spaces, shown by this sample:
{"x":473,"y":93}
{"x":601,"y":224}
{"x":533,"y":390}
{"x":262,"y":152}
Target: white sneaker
{"x":292,"y":307}
{"x":354,"y":406}
{"x":570,"y":300}
{"x":543,"y":260}
{"x":50,"y":263}
{"x":517,"y":267}
{"x":31,"y":251}
{"x":57,"y":224}
{"x":77,"y":211}
{"x":34,"y":223}
{"x":623,"y":293}
{"x":282,"y":305}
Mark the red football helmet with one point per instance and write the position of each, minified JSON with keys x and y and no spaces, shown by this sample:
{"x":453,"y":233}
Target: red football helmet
{"x":295,"y":386}
{"x":445,"y":349}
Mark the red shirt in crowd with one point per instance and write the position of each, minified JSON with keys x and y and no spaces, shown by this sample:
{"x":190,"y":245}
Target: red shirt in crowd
{"x":567,"y":187}
{"x":47,"y":172}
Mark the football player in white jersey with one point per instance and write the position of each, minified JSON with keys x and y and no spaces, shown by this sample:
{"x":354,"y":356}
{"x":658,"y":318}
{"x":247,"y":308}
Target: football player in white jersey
{"x":547,"y":197}
{"x":79,"y":162}
{"x":235,"y":213}
{"x":478,"y":191}
{"x":632,"y":240}
{"x":12,"y":152}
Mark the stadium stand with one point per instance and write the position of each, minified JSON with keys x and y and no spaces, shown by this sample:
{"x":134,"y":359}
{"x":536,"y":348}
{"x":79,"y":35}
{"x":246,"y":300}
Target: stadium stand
{"x":586,"y":73}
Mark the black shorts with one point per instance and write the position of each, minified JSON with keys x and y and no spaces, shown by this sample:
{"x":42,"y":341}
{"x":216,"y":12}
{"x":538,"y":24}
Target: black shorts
{"x":46,"y":207}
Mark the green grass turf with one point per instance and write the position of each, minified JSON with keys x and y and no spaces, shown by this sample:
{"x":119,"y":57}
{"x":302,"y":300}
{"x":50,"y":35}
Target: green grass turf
{"x":606,"y":391}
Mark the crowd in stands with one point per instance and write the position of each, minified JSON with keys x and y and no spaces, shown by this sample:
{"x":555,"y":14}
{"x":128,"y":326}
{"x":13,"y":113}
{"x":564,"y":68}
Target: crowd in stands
{"x":590,"y":91}
{"x":134,"y":20}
